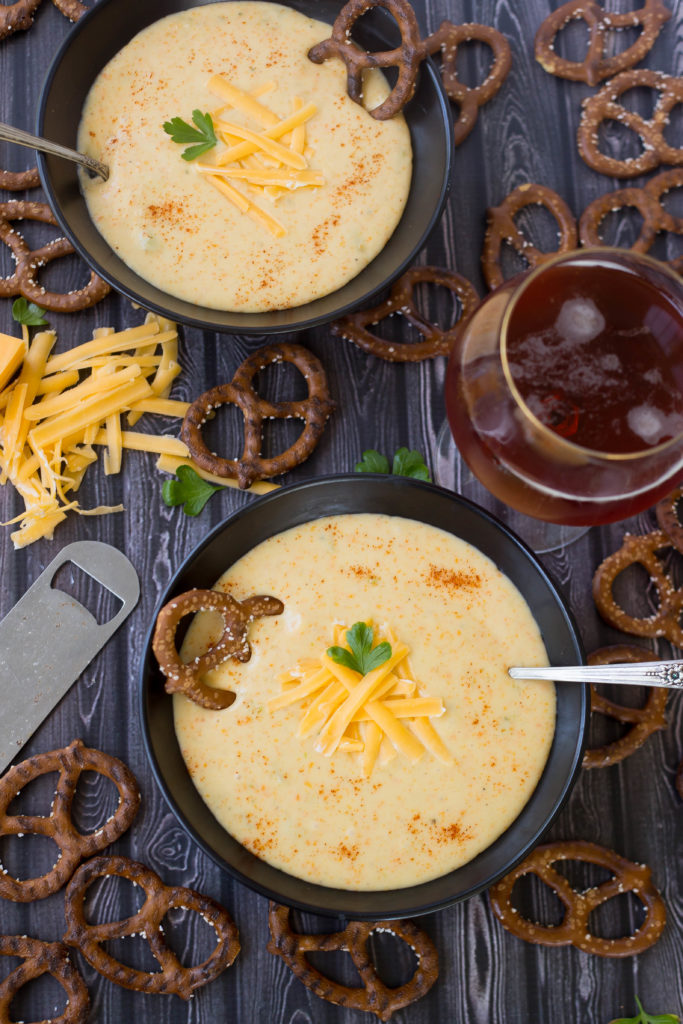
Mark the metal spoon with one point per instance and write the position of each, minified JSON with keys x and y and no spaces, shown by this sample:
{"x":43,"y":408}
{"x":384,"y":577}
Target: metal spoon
{"x":645,"y":673}
{"x":10,"y":134}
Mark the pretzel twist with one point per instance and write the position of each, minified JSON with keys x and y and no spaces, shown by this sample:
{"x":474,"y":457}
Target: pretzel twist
{"x":58,"y":826}
{"x":447,"y":39}
{"x":501,"y":227}
{"x":237,"y":617}
{"x":24,"y":280}
{"x":173,"y":978}
{"x":314,"y":410}
{"x":605,"y":106}
{"x":643,"y":721}
{"x":668,"y":520}
{"x":374,"y":996}
{"x":15,"y":181}
{"x":596,"y":65}
{"x":574,"y":929}
{"x":17,"y":16}
{"x":641,"y":550}
{"x":41,"y":958}
{"x":437,"y":340}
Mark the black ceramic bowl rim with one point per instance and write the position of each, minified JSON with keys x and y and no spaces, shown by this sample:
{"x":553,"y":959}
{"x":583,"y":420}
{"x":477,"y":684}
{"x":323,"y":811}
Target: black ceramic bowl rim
{"x":412,"y":499}
{"x":428,"y":115}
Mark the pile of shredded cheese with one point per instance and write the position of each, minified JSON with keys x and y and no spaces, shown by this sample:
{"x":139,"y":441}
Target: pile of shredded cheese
{"x":267,"y":166}
{"x":376,"y":715}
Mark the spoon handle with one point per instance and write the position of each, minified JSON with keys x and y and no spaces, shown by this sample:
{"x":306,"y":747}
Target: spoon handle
{"x":10,"y":134}
{"x":647,"y":673}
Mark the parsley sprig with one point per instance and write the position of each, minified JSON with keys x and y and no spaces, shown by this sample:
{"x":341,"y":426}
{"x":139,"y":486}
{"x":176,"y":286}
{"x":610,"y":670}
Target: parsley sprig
{"x":202,"y":135}
{"x":28,"y":313}
{"x":648,"y":1018}
{"x":189,"y":490}
{"x":406,"y":463}
{"x":362,"y":657}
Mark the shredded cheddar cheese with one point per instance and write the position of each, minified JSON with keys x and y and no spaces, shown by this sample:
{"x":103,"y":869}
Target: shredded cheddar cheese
{"x":375,"y":715}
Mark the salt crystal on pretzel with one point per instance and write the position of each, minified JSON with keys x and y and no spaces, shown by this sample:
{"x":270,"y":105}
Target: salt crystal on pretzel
{"x":605,"y":106}
{"x":237,"y":616}
{"x":438,"y":341}
{"x":15,"y":181}
{"x":643,"y":721}
{"x":597,"y":65}
{"x":40,"y":958}
{"x":574,"y":929}
{"x":173,"y":978}
{"x":70,"y":762}
{"x":374,"y":996}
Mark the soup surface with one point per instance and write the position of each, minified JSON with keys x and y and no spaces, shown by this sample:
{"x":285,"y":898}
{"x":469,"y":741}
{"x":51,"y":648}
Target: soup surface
{"x":320,"y":817}
{"x":173,"y":227}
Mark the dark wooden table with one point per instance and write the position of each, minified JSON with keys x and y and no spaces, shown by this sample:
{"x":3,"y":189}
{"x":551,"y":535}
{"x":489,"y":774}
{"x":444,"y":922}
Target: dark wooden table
{"x":525,"y":134}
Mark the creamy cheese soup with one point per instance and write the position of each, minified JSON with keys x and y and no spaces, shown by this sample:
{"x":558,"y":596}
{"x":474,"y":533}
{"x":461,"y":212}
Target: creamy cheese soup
{"x":319,"y":817}
{"x":173,"y":227}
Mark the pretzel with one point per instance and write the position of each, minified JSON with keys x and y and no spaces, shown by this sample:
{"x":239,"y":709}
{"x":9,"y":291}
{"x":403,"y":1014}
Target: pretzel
{"x":447,"y":38}
{"x":314,"y":410}
{"x":17,"y":16}
{"x":647,"y":201}
{"x":24,"y":279}
{"x":71,"y":9}
{"x":73,"y":845}
{"x":405,"y":57}
{"x":666,"y":511}
{"x":501,"y":228}
{"x":437,"y":341}
{"x":43,"y":958}
{"x":173,"y":978}
{"x":15,"y":181}
{"x":604,"y":106}
{"x":596,"y":65}
{"x":574,"y":929}
{"x":233,"y":643}
{"x":374,"y":996}
{"x":664,"y":621}
{"x":643,"y":721}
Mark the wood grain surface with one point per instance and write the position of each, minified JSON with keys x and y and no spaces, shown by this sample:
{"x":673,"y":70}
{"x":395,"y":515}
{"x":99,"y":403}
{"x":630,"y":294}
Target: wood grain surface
{"x":527,"y":133}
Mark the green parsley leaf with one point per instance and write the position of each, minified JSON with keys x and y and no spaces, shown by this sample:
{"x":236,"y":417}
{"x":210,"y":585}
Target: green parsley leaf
{"x":647,"y":1018}
{"x":28,"y":313}
{"x":188,"y":490}
{"x":372,"y":462}
{"x":406,"y":463}
{"x":410,"y":463}
{"x":203,"y":135}
{"x":362,"y":657}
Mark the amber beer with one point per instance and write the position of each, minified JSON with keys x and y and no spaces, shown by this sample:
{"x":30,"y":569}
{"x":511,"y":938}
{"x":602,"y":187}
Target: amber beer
{"x":564,"y":392}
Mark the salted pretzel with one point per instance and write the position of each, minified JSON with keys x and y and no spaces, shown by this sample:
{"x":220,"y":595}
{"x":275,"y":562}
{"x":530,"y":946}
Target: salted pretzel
{"x":648,"y":201}
{"x":70,"y":762}
{"x":437,"y":341}
{"x":501,"y":227}
{"x":314,"y":410}
{"x":41,"y":958}
{"x":447,"y":38}
{"x":596,"y":65}
{"x":666,"y":511}
{"x":237,"y":617}
{"x":15,"y":181}
{"x":642,"y":550}
{"x":173,"y":978}
{"x":643,"y":721}
{"x":19,"y":15}
{"x":374,"y":996}
{"x":574,"y":929}
{"x":24,"y":280}
{"x":605,"y":106}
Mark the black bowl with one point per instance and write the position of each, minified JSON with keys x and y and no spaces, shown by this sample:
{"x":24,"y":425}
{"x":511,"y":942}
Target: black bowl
{"x":101,"y":33}
{"x":412,"y":499}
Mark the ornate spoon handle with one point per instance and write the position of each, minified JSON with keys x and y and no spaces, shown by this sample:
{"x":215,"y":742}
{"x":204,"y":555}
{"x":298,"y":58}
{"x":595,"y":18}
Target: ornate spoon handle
{"x":647,"y":673}
{"x":10,"y":134}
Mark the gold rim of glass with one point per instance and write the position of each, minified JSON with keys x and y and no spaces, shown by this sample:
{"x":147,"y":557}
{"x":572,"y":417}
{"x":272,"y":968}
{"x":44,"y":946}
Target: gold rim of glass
{"x":589,"y":251}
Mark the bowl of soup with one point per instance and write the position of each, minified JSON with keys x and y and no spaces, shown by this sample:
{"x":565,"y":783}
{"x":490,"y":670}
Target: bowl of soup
{"x":247,"y":192}
{"x":378,"y":788}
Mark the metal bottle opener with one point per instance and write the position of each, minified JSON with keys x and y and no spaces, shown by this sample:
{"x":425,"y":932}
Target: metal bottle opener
{"x":49,"y":638}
